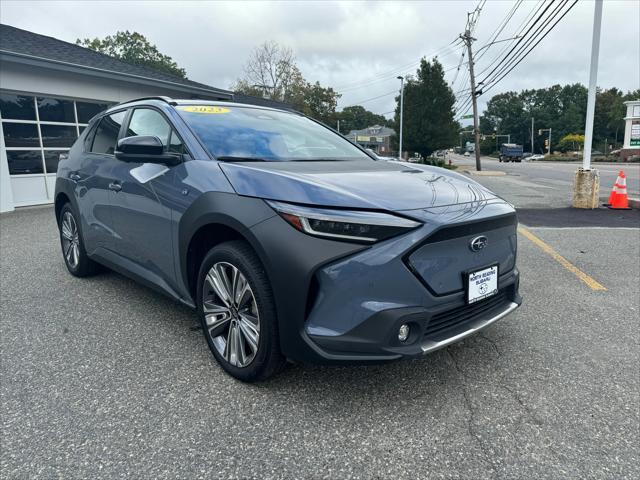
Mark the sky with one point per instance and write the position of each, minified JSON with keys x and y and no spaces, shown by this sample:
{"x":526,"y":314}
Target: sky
{"x":359,"y":48}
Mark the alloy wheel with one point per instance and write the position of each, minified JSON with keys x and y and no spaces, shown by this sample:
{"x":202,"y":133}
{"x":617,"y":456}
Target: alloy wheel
{"x":70,"y":240}
{"x":231,"y":314}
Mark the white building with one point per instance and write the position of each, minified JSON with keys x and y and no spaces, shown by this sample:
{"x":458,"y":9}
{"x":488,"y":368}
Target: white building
{"x":631,"y":144}
{"x":49,"y":89}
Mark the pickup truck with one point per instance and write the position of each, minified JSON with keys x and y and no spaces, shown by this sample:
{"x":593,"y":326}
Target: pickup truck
{"x":510,"y":152}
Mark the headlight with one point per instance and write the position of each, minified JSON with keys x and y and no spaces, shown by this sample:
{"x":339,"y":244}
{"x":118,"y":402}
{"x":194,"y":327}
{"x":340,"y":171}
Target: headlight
{"x":351,"y":225}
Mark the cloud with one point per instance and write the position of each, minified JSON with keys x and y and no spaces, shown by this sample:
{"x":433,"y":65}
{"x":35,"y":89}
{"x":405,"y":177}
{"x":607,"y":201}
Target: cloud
{"x":359,"y":46}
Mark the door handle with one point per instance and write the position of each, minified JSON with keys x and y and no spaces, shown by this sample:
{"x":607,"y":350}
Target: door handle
{"x":74,"y":176}
{"x":116,"y":187}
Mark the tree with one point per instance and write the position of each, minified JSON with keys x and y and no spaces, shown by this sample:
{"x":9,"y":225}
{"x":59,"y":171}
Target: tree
{"x":573,"y":142}
{"x":561,"y":108}
{"x":134,"y":48}
{"x":356,"y":117}
{"x":271,"y":72}
{"x":428,"y":111}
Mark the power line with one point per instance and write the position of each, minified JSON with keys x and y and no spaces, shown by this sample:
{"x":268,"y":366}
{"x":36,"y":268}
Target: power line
{"x":527,"y":41}
{"x":501,"y":27}
{"x":520,"y":40}
{"x":534,"y":46}
{"x":392,"y":73}
{"x":519,"y":29}
{"x":375,"y":98}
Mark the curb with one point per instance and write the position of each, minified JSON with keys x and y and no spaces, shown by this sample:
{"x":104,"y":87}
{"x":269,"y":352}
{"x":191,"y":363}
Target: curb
{"x":634,"y":203}
{"x":485,"y":173}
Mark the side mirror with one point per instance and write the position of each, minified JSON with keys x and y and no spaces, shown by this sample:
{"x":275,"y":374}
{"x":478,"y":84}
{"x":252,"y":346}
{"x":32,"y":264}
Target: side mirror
{"x":144,"y":149}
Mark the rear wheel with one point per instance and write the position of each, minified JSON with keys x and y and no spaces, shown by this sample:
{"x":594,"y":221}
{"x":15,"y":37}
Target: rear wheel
{"x":73,"y":252}
{"x":237,"y":312}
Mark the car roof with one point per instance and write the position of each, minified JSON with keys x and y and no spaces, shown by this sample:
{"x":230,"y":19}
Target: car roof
{"x":176,"y":102}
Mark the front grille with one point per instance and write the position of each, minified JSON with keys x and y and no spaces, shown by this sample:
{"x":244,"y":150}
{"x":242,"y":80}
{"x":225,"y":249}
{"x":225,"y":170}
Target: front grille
{"x":460,"y":315}
{"x":472,"y":228}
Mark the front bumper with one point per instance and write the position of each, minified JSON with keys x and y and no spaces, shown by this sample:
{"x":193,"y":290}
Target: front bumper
{"x":376,"y":339}
{"x":339,"y":302}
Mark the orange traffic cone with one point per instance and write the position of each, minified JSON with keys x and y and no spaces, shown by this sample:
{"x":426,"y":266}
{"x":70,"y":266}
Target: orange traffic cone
{"x":620,"y":200}
{"x":613,"y":193}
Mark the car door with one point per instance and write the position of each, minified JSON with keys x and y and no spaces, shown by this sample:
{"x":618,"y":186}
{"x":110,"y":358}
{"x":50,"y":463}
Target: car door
{"x":141,"y":203}
{"x":92,"y":179}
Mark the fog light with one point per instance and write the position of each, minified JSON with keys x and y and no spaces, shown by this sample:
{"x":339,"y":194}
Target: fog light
{"x":403,"y":332}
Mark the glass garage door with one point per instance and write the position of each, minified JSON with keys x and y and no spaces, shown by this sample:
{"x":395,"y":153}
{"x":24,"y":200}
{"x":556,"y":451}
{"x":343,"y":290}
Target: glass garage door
{"x":36,"y":130}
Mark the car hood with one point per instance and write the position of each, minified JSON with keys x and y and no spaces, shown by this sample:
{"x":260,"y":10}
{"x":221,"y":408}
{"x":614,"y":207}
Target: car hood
{"x":367,"y":184}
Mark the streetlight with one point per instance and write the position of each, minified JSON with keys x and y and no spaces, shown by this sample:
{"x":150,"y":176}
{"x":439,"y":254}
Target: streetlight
{"x":401,"y":78}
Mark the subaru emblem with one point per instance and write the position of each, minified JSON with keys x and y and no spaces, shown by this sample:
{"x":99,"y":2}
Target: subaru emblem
{"x":478,"y":243}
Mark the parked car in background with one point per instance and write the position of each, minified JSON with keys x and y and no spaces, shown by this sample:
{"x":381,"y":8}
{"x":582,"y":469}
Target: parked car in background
{"x":289,"y":241}
{"x":535,"y":157}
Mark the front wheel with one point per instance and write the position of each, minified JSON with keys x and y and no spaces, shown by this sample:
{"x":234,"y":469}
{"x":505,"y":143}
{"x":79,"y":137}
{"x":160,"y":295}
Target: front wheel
{"x":75,"y":256}
{"x":237,"y":312}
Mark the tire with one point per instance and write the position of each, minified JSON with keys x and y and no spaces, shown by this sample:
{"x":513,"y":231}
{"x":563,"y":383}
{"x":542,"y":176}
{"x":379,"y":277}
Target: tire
{"x":73,"y":252}
{"x":231,"y":320}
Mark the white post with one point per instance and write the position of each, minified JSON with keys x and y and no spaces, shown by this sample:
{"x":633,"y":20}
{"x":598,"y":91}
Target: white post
{"x":593,"y":78}
{"x":401,"y":113}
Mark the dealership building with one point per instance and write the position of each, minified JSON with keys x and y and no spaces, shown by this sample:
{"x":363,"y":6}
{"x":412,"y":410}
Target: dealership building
{"x":49,"y":89}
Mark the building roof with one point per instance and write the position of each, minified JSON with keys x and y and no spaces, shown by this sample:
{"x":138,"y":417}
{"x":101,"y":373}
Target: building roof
{"x":28,"y":47}
{"x":374,"y":131}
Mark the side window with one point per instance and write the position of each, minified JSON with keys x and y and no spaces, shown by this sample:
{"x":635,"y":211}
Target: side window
{"x":88,"y":138}
{"x":175,"y":144}
{"x":107,"y":133}
{"x":145,"y":121}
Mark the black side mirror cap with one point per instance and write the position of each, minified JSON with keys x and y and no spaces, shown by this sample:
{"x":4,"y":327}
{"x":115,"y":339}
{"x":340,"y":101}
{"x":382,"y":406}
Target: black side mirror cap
{"x":145,"y":149}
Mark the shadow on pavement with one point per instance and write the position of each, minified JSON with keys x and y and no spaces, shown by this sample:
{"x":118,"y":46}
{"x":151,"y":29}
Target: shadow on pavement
{"x":574,"y":217}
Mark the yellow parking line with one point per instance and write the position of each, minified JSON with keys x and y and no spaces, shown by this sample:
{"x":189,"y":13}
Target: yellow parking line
{"x":591,"y":283}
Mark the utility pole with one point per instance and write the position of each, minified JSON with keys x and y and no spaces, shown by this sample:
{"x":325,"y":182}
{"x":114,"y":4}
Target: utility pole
{"x":401,"y":78}
{"x":338,"y":125}
{"x":467,"y":38}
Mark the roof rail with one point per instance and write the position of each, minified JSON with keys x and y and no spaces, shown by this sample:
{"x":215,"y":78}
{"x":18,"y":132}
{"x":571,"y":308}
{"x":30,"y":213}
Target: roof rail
{"x":159,"y":97}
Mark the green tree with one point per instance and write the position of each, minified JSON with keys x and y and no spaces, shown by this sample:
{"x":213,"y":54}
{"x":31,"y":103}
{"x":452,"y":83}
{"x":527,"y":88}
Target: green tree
{"x":572,"y":141}
{"x":356,"y":117}
{"x":428,"y":111}
{"x":134,"y":48}
{"x":317,"y":102}
{"x":561,"y":108}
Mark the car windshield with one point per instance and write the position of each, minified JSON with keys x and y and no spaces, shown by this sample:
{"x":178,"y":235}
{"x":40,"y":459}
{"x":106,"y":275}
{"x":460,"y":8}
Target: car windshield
{"x":238,"y":133}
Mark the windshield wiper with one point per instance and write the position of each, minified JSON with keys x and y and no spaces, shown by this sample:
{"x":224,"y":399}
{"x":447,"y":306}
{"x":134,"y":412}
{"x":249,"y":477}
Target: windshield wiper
{"x":231,"y":158}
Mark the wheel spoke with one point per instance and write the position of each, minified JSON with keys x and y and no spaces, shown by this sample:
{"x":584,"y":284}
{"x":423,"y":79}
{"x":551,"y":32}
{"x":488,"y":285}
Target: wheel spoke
{"x":250,"y":333}
{"x":66,"y":230}
{"x":224,"y":281}
{"x":240,"y":292}
{"x":217,"y":285}
{"x":217,"y":318}
{"x":76,"y":254}
{"x":241,"y":359}
{"x":67,"y":253}
{"x":231,"y":349}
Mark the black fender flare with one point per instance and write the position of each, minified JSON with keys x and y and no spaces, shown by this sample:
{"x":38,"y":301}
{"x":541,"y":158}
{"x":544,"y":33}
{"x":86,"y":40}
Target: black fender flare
{"x":228,"y":209}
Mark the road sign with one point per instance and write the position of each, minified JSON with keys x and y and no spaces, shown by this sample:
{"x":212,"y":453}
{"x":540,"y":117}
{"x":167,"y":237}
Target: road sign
{"x":467,"y":116}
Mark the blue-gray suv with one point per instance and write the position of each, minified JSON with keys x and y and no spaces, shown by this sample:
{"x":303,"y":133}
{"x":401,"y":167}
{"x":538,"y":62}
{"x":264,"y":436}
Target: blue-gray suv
{"x":290,"y":241}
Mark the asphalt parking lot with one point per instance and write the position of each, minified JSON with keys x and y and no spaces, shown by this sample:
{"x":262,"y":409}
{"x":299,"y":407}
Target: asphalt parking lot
{"x":103,"y":378}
